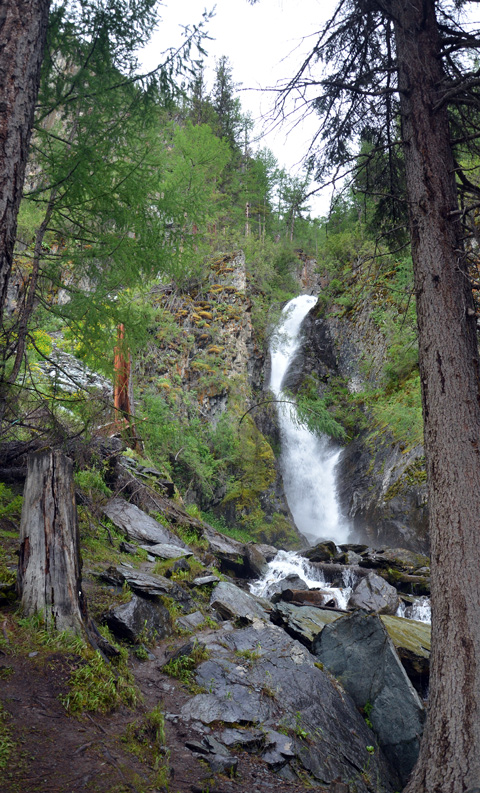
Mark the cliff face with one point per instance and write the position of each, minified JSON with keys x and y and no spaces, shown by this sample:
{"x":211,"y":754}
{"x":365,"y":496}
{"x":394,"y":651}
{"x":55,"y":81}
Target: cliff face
{"x":381,"y":481}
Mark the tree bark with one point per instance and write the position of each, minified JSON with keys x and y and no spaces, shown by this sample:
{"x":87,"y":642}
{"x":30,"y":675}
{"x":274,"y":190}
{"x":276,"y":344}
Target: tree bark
{"x":449,"y":759}
{"x":23,"y":29}
{"x":49,"y":579}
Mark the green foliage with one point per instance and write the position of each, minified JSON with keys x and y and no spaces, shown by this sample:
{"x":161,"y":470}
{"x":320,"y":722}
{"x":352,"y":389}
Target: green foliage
{"x":91,"y":481}
{"x":401,"y":412}
{"x":7,"y":743}
{"x":97,"y":686}
{"x":312,"y":410}
{"x":184,"y":666}
{"x":10,"y":504}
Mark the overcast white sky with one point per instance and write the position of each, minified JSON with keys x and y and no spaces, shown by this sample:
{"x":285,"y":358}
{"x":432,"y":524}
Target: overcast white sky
{"x":264,"y":45}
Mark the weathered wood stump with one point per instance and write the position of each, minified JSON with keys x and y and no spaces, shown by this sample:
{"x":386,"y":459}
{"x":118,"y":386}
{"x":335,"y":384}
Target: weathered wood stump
{"x":49,"y":568}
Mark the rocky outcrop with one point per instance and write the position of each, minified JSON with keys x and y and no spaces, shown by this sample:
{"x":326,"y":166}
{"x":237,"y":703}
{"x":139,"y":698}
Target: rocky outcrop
{"x":358,"y":651}
{"x":380,"y":483}
{"x":260,"y":676}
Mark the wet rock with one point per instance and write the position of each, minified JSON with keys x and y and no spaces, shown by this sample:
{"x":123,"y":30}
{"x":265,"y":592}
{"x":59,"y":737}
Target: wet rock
{"x":261,"y":676}
{"x":412,"y":640}
{"x":313,"y":597}
{"x":348,"y":557}
{"x":302,"y":622}
{"x":166,"y":551}
{"x":256,"y":561}
{"x":358,"y":651}
{"x":139,"y":619}
{"x":230,"y":602}
{"x":374,"y":594}
{"x":137,"y":525}
{"x":323,"y":552}
{"x":268,"y":551}
{"x":291,"y":581}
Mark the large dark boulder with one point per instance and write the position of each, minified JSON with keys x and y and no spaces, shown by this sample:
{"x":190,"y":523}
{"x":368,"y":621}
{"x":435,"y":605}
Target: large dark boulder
{"x":357,"y":650}
{"x":231,"y":602}
{"x":259,"y":676}
{"x":139,"y":620}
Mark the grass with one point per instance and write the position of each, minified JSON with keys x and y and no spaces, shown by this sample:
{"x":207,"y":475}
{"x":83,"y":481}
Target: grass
{"x":97,"y":686}
{"x":183,"y":667}
{"x":147,"y":741}
{"x":7,"y":744}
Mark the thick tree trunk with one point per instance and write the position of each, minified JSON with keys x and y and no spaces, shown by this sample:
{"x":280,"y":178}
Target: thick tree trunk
{"x":49,"y":565}
{"x":23,"y":28}
{"x":449,"y":368}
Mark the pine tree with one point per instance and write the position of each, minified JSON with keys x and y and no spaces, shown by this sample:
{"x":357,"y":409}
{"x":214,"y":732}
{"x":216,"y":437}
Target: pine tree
{"x":387,"y":62}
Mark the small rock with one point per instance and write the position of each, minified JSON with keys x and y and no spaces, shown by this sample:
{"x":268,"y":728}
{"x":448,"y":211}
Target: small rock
{"x":191,"y":621}
{"x":204,"y":580}
{"x":166,"y":551}
{"x":128,"y":547}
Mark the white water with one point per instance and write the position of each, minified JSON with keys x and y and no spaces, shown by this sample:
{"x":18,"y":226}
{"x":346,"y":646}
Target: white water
{"x":420,"y":610}
{"x":289,"y":563}
{"x":307,"y":461}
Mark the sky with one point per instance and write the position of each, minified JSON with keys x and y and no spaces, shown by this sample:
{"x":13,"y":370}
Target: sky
{"x":264,"y":44}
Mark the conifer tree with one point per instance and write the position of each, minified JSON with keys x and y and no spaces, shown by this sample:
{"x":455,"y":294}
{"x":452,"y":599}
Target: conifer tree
{"x":389,"y":65}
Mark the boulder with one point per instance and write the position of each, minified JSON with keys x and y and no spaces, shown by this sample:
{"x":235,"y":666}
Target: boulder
{"x":373,"y":593}
{"x":357,"y":650}
{"x":137,"y":525}
{"x":261,"y":676}
{"x":322,"y":552}
{"x":191,"y":621}
{"x":292,"y":581}
{"x":139,"y":619}
{"x":412,"y":640}
{"x":229,"y":552}
{"x":232,"y":602}
{"x":256,"y":561}
{"x":302,"y":622}
{"x":145,"y":584}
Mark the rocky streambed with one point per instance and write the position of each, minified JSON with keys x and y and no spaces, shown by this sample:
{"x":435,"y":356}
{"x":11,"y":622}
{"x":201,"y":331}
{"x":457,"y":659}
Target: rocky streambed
{"x":313,"y":672}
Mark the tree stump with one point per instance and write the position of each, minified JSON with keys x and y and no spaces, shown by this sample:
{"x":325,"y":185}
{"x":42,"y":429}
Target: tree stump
{"x":49,"y":568}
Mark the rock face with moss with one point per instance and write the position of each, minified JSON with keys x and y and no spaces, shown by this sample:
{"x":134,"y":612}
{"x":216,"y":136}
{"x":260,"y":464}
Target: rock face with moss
{"x":381,"y":474}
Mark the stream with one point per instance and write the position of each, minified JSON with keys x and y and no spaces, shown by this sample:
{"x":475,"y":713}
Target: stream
{"x":308,"y":464}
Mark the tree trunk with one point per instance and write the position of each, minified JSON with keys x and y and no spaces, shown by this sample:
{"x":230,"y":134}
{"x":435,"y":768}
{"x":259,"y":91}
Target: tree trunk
{"x":449,"y":759}
{"x":49,"y":565}
{"x":23,"y":29}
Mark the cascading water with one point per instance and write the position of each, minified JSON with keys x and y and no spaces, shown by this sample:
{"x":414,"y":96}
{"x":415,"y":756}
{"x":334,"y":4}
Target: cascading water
{"x":307,"y":461}
{"x":308,"y":469}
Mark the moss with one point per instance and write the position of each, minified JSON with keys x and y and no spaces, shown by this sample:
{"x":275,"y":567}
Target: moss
{"x":413,"y":476}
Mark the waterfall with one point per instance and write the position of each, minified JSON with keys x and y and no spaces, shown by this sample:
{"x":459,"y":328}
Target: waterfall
{"x":307,"y":461}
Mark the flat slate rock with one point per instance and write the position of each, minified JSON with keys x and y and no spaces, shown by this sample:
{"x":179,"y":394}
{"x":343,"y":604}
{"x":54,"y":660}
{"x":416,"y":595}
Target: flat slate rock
{"x":303,"y":622}
{"x":261,"y":677}
{"x":204,"y":580}
{"x":230,"y":602}
{"x":137,"y":525}
{"x":191,"y":621}
{"x":167,"y":551}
